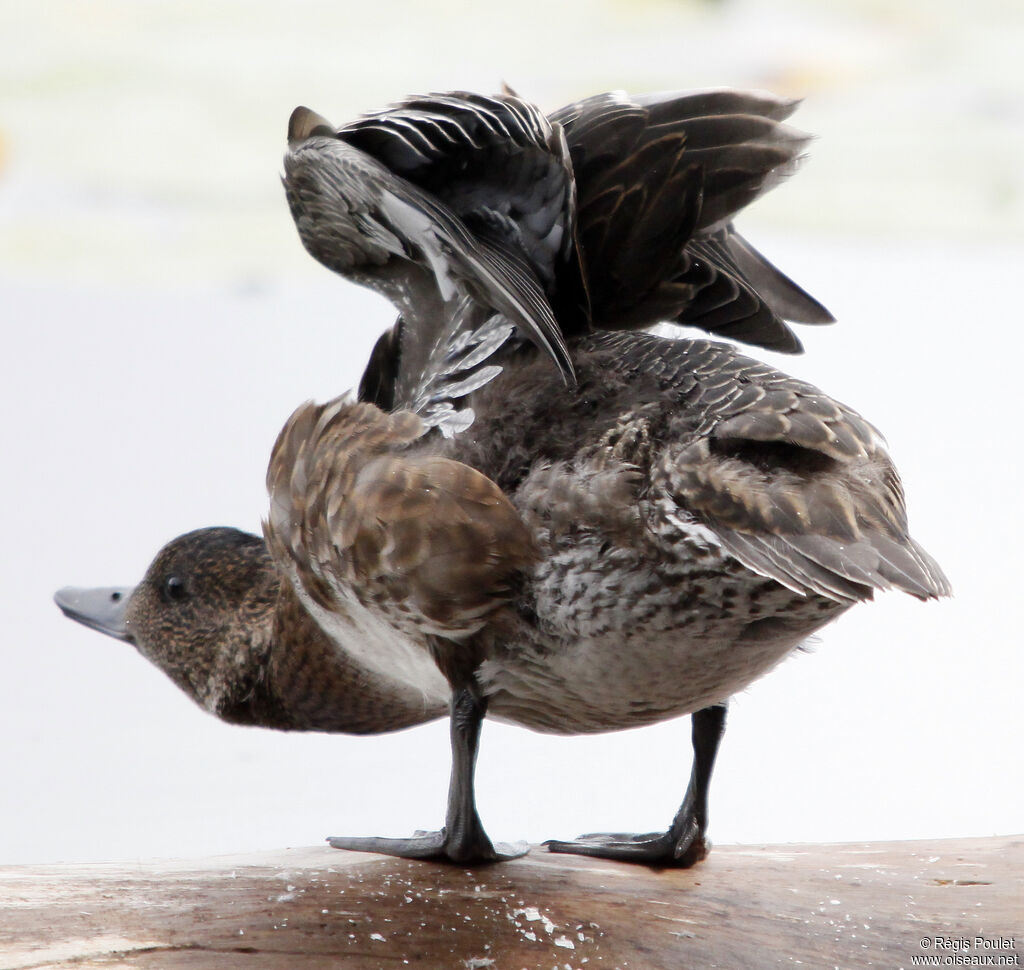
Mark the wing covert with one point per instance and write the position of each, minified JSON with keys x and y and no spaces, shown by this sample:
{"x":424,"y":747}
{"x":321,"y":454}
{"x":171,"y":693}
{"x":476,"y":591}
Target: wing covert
{"x":794,"y":484}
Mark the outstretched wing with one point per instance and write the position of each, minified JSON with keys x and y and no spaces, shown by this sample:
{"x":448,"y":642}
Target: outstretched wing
{"x":659,"y":179}
{"x":795,"y":485}
{"x":500,"y":166}
{"x":460,"y":252}
{"x":479,"y":218}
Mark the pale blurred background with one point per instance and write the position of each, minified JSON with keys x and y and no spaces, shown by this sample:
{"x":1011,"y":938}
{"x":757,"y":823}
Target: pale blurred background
{"x":161,"y":321}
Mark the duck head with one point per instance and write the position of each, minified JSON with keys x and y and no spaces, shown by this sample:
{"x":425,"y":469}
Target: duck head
{"x":203,"y":613}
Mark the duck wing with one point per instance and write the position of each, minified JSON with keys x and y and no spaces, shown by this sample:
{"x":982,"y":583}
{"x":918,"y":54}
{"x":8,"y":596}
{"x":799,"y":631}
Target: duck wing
{"x":500,"y":166}
{"x":792,"y":483}
{"x":659,"y":179}
{"x":455,"y":208}
{"x":366,"y":527}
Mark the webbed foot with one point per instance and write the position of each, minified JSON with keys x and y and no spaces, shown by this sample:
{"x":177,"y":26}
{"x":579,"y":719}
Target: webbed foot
{"x":652,"y":849}
{"x":463,"y":840}
{"x":685,"y":843}
{"x":475,"y":850}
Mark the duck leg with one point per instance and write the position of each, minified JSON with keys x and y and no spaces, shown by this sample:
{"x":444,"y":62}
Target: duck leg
{"x":684,"y":844}
{"x":463,"y":839}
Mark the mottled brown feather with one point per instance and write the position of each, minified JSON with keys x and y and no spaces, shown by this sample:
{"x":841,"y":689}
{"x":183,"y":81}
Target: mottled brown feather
{"x":801,"y":488}
{"x":354,"y":515}
{"x":794,"y":484}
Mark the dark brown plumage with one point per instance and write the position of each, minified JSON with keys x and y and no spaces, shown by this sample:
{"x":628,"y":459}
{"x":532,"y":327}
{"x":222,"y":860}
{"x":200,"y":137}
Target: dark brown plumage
{"x":418,"y":534}
{"x":613,"y":213}
{"x":611,"y":528}
{"x":659,"y":179}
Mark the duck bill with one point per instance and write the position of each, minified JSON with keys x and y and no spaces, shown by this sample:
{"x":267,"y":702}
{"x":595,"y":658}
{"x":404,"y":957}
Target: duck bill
{"x":100,"y":609}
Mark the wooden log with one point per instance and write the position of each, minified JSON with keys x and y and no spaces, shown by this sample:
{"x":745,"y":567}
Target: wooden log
{"x":850,"y":906}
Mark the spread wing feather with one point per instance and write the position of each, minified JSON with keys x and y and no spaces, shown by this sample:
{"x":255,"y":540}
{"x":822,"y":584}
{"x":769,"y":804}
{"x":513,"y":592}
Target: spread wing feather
{"x":615,"y":212}
{"x":501,"y":167}
{"x":360,"y":218}
{"x":697,"y":159}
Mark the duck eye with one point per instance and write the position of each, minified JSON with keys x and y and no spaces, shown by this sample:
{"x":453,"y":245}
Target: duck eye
{"x":174,"y":588}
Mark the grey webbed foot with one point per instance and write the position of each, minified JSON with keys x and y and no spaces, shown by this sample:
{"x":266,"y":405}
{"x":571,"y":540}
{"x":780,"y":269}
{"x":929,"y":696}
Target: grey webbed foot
{"x":436,"y":846}
{"x":685,"y":843}
{"x":653,"y":849}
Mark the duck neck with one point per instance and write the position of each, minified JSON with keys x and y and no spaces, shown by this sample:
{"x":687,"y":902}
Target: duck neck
{"x":289,"y":675}
{"x":248,"y":697}
{"x":313,"y":684}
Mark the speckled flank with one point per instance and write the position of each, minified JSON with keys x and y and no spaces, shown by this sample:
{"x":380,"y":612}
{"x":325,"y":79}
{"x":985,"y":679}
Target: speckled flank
{"x":644,"y":606}
{"x":637,"y":633}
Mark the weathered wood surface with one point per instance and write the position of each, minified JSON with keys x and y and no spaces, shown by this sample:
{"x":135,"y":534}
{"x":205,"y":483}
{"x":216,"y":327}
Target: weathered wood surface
{"x":848,"y":906}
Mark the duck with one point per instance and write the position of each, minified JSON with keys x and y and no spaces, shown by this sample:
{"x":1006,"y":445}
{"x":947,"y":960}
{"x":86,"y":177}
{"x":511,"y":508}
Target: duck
{"x":534,"y":509}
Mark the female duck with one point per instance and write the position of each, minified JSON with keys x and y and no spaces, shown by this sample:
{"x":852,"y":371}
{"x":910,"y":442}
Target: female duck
{"x":612,"y":528}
